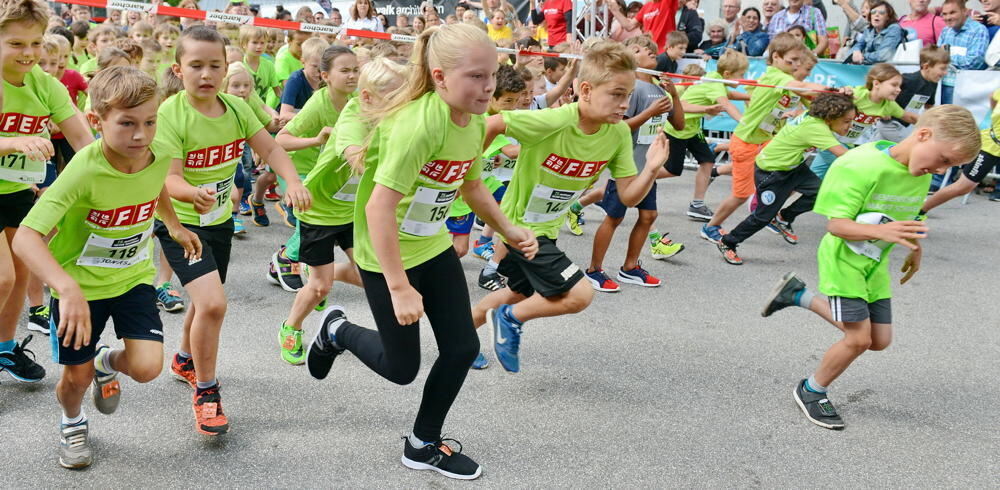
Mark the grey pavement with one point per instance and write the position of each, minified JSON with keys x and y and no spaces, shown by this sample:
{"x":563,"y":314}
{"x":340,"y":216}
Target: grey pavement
{"x":680,"y":386}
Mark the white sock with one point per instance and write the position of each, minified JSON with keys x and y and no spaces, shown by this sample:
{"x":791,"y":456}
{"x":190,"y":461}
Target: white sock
{"x":74,"y":420}
{"x":491,"y":266}
{"x":102,"y":362}
{"x":416,"y":442}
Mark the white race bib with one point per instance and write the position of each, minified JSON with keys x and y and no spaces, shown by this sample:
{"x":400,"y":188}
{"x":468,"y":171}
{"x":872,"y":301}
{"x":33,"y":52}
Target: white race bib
{"x":428,"y":211}
{"x":917,"y":103}
{"x":223,"y":189}
{"x":505,"y":169}
{"x":785,"y":105}
{"x":649,"y":130}
{"x":16,"y":167}
{"x":547,"y":204}
{"x":116,"y":253}
{"x":959,"y":51}
{"x":870,"y":248}
{"x":349,"y":191}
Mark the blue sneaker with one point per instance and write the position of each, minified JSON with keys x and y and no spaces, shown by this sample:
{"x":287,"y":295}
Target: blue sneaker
{"x":712,"y":233}
{"x":481,"y":362}
{"x":238,"y":228}
{"x":506,"y":337}
{"x":245,"y":209}
{"x":484,"y":251}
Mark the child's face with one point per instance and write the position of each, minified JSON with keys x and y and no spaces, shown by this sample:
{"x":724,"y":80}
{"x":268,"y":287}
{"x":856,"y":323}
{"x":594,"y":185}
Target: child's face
{"x":797,"y":34}
{"x":788,"y":62}
{"x":524,"y":99}
{"x":343,"y":75}
{"x":128,"y":132}
{"x":676,"y":51}
{"x":256,"y":47}
{"x":498,"y":20}
{"x":49,"y":63}
{"x":240,"y":85}
{"x":168,"y":41}
{"x":81,"y":14}
{"x":507,"y":101}
{"x":887,"y":90}
{"x":140,"y":36}
{"x":935,"y":72}
{"x":295,"y":44}
{"x":233,"y":55}
{"x":643,"y":56}
{"x":608,"y":101}
{"x":843,"y":123}
{"x":202,"y":68}
{"x":272,"y":44}
{"x":310,"y":67}
{"x":132,"y":17}
{"x":115,"y":16}
{"x":468,"y":87}
{"x":21,"y":48}
{"x":63,"y":61}
{"x":555,"y":74}
{"x":150,"y":62}
{"x":103,"y":41}
{"x":802,"y":72}
{"x":933,"y":156}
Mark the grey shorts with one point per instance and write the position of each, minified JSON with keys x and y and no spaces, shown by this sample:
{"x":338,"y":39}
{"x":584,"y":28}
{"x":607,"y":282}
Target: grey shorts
{"x":857,"y":310}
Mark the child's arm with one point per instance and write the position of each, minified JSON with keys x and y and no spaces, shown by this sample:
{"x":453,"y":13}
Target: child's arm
{"x":815,"y":89}
{"x":701,"y":109}
{"x":76,"y":131}
{"x":729,"y":107}
{"x":737,"y":95}
{"x":290,"y":142}
{"x":511,"y":151}
{"x":677,"y":116}
{"x":34,"y":147}
{"x":910,"y":117}
{"x":203,"y":199}
{"x":183,"y":236}
{"x":481,"y":200}
{"x":381,"y":213}
{"x":901,"y":232}
{"x":275,"y":123}
{"x":633,"y":189}
{"x":296,"y":195}
{"x":287,"y":113}
{"x":563,"y":84}
{"x":661,"y":106}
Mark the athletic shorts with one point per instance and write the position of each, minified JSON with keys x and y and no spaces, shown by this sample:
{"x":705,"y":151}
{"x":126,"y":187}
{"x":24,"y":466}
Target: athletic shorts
{"x":134,"y":314}
{"x":613,"y":205}
{"x":978,"y":169}
{"x":216,"y":245}
{"x":550,"y":273}
{"x":50,"y":175}
{"x":679,"y":148}
{"x":461,"y":225}
{"x":14,"y":207}
{"x":858,"y":310}
{"x":498,"y":194}
{"x":744,"y":156}
{"x":316,"y":242}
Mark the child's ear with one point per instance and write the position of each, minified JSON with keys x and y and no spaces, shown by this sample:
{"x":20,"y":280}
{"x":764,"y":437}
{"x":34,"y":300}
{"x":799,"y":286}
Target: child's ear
{"x":94,"y":121}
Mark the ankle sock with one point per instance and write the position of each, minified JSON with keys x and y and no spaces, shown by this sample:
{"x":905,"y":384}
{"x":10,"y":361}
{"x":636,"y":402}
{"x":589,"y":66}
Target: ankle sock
{"x":715,"y":172}
{"x":697,"y":203}
{"x":8,"y":346}
{"x":79,"y":419}
{"x":102,"y":362}
{"x":804,"y":298}
{"x":205,"y":385}
{"x":331,"y":331}
{"x":813,"y":386}
{"x":491,"y":267}
{"x":576,"y":207}
{"x":416,"y":442}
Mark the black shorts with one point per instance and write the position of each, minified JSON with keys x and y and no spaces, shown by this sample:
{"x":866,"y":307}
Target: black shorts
{"x":978,"y":169}
{"x":316,"y":242}
{"x":216,"y":245}
{"x":550,"y":273}
{"x":14,"y":207}
{"x":613,"y":205}
{"x":134,"y":314}
{"x":698,"y":147}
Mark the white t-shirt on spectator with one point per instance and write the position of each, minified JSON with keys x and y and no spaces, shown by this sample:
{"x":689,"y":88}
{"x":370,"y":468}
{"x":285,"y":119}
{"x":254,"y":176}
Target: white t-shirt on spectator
{"x":365,"y":24}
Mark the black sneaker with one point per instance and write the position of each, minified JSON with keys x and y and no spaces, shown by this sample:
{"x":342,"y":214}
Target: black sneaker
{"x":38,"y":319}
{"x":491,"y":282}
{"x":783,"y":294}
{"x":817,"y":408}
{"x":19,"y":367}
{"x":441,"y":458}
{"x":322,"y":352}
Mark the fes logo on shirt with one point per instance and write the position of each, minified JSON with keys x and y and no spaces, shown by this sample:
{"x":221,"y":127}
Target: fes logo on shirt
{"x":122,"y":217}
{"x":445,"y":171}
{"x":12,"y":122}
{"x":569,"y":167}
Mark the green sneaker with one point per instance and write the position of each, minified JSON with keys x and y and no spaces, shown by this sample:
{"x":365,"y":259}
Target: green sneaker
{"x":291,"y":345}
{"x":321,"y":306}
{"x":574,"y":221}
{"x":661,"y":247}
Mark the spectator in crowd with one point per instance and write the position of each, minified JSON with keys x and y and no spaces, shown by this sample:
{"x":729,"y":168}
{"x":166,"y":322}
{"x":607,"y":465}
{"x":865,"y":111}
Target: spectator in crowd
{"x":432,"y":18}
{"x":767,"y":9}
{"x":362,"y":16}
{"x":382,"y":19}
{"x":509,"y":12}
{"x":336,"y":18}
{"x":966,"y":40}
{"x":993,"y":54}
{"x":319,"y":16}
{"x":753,"y":40}
{"x":498,"y":29}
{"x":461,"y":8}
{"x":419,"y":24}
{"x":691,"y":23}
{"x":656,"y":17}
{"x":807,"y":16}
{"x":878,"y":43}
{"x":926,"y":24}
{"x":731,"y":15}
{"x":857,"y":21}
{"x":402,"y":21}
{"x":619,"y":33}
{"x":557,"y":15}
{"x":818,"y":5}
{"x":990,"y":16}
{"x":717,"y":41}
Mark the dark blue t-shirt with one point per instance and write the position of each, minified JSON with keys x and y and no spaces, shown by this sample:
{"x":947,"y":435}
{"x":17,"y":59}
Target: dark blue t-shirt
{"x":297,"y":90}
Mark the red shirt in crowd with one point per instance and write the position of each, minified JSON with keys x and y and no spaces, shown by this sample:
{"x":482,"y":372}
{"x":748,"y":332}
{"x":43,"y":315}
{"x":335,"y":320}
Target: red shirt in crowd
{"x":555,"y":19}
{"x":657,"y":18}
{"x":75,"y":84}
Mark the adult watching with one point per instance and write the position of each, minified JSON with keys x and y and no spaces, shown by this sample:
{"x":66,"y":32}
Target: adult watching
{"x":691,"y":24}
{"x":362,"y":16}
{"x":767,"y":9}
{"x":798,"y":14}
{"x":753,"y":41}
{"x":557,"y":16}
{"x":731,"y":16}
{"x":619,"y":33}
{"x":966,"y":40}
{"x":656,"y":18}
{"x":878,"y":43}
{"x":990,"y":16}
{"x":717,"y":41}
{"x":925,"y":23}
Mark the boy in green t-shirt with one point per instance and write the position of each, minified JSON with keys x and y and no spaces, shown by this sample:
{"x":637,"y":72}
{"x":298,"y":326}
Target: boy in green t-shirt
{"x":166,"y":36}
{"x":563,"y":151}
{"x":100,"y":265}
{"x":98,"y":38}
{"x":871,"y":196}
{"x":253,"y":41}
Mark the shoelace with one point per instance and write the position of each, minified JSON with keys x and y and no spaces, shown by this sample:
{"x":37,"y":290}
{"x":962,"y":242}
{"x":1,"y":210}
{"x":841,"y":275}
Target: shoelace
{"x":20,"y":349}
{"x":76,"y":440}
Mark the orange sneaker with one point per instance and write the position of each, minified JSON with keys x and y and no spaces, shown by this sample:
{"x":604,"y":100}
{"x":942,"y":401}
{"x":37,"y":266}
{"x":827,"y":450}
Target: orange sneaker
{"x":183,"y":370}
{"x":208,"y":416}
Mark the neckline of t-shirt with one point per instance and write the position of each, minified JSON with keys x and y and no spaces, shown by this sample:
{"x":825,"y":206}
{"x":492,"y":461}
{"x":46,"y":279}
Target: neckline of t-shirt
{"x":218,"y":96}
{"x":119,"y":173}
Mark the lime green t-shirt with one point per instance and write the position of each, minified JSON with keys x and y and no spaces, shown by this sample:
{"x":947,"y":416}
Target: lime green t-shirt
{"x":420,"y":153}
{"x":265,"y":78}
{"x":105,"y":221}
{"x":701,"y":94}
{"x":767,"y":108}
{"x":863,"y":127}
{"x":285,"y":64}
{"x":88,"y":68}
{"x":864,"y":180}
{"x":27,"y":111}
{"x":317,"y":113}
{"x":558,"y":162}
{"x":257,"y":106}
{"x":991,"y":135}
{"x":77,"y":60}
{"x":332,"y":182}
{"x":800,"y":135}
{"x":209,"y":148}
{"x":493,"y":162}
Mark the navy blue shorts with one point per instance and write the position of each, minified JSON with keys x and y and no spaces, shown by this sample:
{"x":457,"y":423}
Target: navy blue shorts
{"x":461,"y":225}
{"x":613,"y":205}
{"x":50,"y":175}
{"x":134,"y":314}
{"x":498,"y":194}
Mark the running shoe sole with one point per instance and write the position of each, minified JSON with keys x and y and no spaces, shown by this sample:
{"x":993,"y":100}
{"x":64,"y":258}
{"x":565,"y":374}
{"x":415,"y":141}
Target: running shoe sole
{"x":662,"y":256}
{"x":34,"y":327}
{"x":775,"y":291}
{"x":698,"y":217}
{"x":802,"y":406}
{"x":416,"y":465}
{"x":18,"y":378}
{"x":177,"y":307}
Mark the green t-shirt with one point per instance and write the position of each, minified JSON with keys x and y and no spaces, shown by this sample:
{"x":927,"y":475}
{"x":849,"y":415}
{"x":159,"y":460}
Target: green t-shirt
{"x":88,"y":68}
{"x":332,"y":182}
{"x":209,"y":148}
{"x":265,"y":78}
{"x":863,"y":127}
{"x":27,"y":111}
{"x":420,"y":153}
{"x":76,"y":60}
{"x":767,"y":108}
{"x":257,"y":106}
{"x":864,"y":180}
{"x":701,"y":94}
{"x":799,"y":136}
{"x":285,"y":64}
{"x":316,"y":114}
{"x":558,"y":162}
{"x":105,"y":221}
{"x":493,"y":161}
{"x":991,"y":135}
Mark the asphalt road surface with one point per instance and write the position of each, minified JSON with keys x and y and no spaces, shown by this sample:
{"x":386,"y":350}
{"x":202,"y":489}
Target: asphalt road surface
{"x":679,"y":386}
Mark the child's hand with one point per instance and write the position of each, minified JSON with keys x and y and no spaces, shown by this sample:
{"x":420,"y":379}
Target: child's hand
{"x":408,"y":305}
{"x":189,"y":240}
{"x":658,"y":152}
{"x":33,"y":147}
{"x":524,"y":240}
{"x":668,"y":85}
{"x":903,"y":233}
{"x":324,"y":135}
{"x":204,"y":200}
{"x":857,"y":57}
{"x":911,"y":265}
{"x":713,"y":110}
{"x":661,"y":106}
{"x":848,"y":91}
{"x":74,"y":319}
{"x":298,"y":196}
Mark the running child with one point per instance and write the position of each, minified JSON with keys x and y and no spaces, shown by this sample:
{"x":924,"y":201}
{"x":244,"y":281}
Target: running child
{"x":871,"y":196}
{"x":780,"y":171}
{"x":204,"y":132}
{"x":100,"y":263}
{"x":563,"y":151}
{"x":917,"y":91}
{"x":426,"y":147}
{"x":253,"y":41}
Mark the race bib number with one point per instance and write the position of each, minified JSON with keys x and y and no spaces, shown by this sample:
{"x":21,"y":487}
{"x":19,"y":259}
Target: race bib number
{"x":547,"y":204}
{"x":428,"y":211}
{"x":116,"y":253}
{"x":222,"y":206}
{"x":649,"y":130}
{"x":504,"y":171}
{"x":349,"y":191}
{"x":18,"y":168}
{"x":871,"y":248}
{"x":771,"y":121}
{"x":917,"y":103}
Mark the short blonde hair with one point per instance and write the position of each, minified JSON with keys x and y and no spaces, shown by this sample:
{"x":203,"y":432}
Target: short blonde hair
{"x":953,"y":124}
{"x":603,"y":61}
{"x":236,"y":69}
{"x":313,"y":46}
{"x":30,"y":11}
{"x":100,"y":31}
{"x":732,"y":62}
{"x":130,"y":47}
{"x":644,"y":41}
{"x":50,"y":44}
{"x":382,"y":49}
{"x":252,"y":33}
{"x":109,"y":55}
{"x":120,"y":87}
{"x":141,"y":26}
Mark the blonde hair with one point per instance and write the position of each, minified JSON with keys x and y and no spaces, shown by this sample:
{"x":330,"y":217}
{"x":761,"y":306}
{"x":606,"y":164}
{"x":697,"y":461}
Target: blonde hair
{"x":120,"y":87}
{"x":130,"y":47}
{"x":234,"y":69}
{"x":782,"y":44}
{"x":644,"y":41}
{"x":376,"y":76}
{"x":953,"y":124}
{"x":880,"y":73}
{"x":109,"y":55}
{"x":732,"y":62}
{"x":31,"y":11}
{"x":382,"y":49}
{"x":695,"y":70}
{"x":141,"y":26}
{"x":50,"y":44}
{"x":252,"y":33}
{"x":313,"y":46}
{"x":603,"y":61}
{"x":100,"y":31}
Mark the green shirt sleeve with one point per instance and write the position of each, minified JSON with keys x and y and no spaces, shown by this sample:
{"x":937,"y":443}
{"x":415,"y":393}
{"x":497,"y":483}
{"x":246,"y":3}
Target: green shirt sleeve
{"x":529,"y":127}
{"x":843,"y":192}
{"x":167,"y":124}
{"x":895,"y":110}
{"x":308,"y":122}
{"x":57,"y":199}
{"x":350,"y":128}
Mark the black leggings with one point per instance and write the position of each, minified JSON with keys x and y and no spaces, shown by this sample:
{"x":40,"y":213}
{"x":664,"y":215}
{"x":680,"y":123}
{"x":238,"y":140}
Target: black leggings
{"x":773,"y":189}
{"x":394,"y":351}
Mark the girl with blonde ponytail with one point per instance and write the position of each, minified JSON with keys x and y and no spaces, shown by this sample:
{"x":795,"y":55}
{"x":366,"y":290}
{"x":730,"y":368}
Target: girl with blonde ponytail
{"x":425,"y":148}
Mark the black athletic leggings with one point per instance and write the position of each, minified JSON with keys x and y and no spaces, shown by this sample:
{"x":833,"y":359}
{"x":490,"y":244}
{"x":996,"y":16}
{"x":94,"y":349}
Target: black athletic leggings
{"x":773,"y":189}
{"x":394,"y":351}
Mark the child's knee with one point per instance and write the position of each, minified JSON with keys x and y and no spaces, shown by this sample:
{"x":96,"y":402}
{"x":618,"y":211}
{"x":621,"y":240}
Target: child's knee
{"x":858,"y":342}
{"x":77,"y":378}
{"x":647,"y":216}
{"x":579,"y":298}
{"x":319,"y":289}
{"x":146,"y":370}
{"x":212,"y":309}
